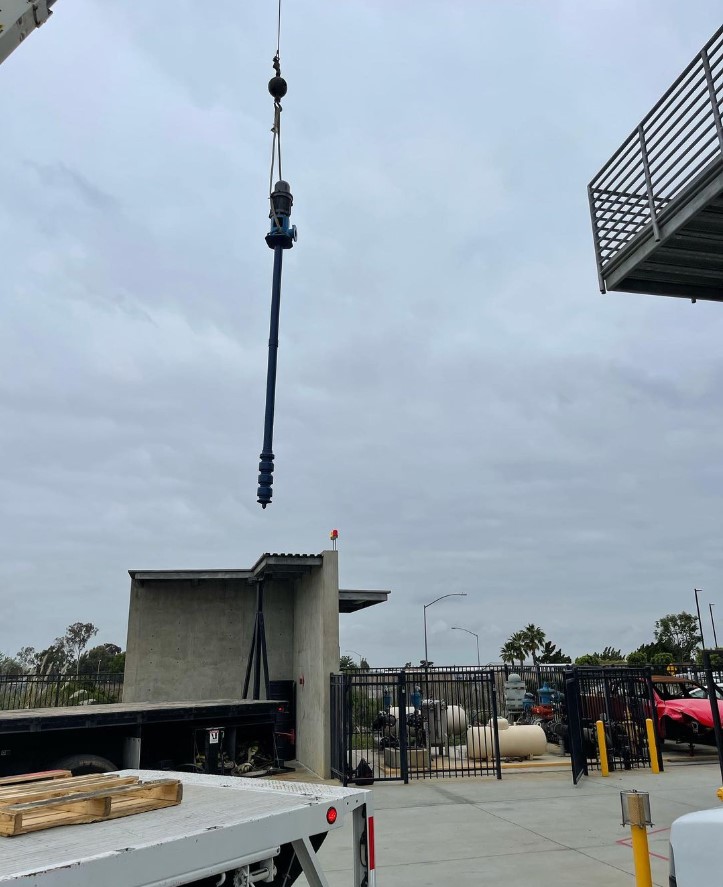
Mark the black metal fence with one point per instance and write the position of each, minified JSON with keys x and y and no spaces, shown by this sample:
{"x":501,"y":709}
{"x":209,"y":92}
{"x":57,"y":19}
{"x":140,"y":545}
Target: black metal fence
{"x":622,"y":698}
{"x":392,"y":724}
{"x":50,"y":691}
{"x":414,"y":724}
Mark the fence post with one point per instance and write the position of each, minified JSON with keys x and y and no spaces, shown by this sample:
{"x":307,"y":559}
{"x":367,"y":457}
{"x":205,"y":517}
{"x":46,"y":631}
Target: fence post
{"x":495,"y":731}
{"x":346,"y":727}
{"x":652,"y":746}
{"x":654,"y":718}
{"x":602,"y":748}
{"x":403,"y":738}
{"x":57,"y":692}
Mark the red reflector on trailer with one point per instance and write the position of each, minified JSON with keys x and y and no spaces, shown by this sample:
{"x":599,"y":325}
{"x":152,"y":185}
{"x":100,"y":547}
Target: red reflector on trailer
{"x":370,"y":848}
{"x":331,"y":815}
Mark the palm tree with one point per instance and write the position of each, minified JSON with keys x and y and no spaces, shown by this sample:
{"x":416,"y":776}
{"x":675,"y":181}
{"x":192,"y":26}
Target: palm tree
{"x":517,"y":648}
{"x":508,"y":652}
{"x":532,"y":638}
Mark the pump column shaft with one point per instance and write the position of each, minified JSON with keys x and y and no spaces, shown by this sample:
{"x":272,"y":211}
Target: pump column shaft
{"x":266,"y":465}
{"x":281,"y":236}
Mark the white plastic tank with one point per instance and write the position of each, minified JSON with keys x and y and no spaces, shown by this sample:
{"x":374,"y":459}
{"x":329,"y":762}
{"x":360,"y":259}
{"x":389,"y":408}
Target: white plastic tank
{"x":456,"y":720}
{"x":516,"y":741}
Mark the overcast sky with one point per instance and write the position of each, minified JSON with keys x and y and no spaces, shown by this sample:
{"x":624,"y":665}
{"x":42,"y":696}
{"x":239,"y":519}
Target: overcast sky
{"x":454,"y":394}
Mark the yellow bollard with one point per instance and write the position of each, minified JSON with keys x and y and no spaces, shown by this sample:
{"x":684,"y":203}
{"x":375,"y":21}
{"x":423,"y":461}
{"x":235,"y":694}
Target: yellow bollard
{"x":652,"y":746}
{"x":636,"y":813}
{"x":603,"y":749}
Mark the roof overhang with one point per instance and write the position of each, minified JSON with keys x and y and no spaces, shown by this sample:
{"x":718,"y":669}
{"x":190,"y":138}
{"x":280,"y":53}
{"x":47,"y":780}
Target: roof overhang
{"x":351,"y":601}
{"x":279,"y":567}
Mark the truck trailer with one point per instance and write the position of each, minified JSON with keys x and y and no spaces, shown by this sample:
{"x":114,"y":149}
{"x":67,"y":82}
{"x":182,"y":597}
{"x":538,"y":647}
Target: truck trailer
{"x":208,"y":735}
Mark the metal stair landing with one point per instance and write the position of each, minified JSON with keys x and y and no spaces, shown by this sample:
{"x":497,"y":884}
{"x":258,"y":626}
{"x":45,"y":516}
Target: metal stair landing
{"x":657,"y":204}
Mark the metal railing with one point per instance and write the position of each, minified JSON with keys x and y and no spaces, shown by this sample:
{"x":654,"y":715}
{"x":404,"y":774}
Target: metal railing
{"x":52,"y":690}
{"x":674,"y":145}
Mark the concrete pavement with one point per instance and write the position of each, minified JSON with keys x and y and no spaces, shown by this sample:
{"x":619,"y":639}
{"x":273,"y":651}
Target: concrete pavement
{"x":529,"y":828}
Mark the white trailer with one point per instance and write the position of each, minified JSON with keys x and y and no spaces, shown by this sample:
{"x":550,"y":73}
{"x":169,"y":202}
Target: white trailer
{"x":226,"y":831}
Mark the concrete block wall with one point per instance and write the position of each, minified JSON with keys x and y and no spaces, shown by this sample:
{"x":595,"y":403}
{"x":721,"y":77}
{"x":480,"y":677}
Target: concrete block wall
{"x":316,"y":656}
{"x":189,"y":639}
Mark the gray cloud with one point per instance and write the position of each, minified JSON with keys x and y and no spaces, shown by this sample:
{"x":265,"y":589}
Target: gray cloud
{"x":454,"y":395}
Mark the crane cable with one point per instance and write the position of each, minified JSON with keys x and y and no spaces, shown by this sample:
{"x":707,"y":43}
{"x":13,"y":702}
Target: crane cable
{"x":276,"y":128}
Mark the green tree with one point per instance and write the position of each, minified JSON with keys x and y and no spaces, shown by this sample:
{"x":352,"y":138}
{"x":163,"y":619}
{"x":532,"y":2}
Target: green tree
{"x":646,"y":651}
{"x":610,"y":654}
{"x":27,"y":657}
{"x":550,"y":654}
{"x":532,"y":637}
{"x":716,"y":660}
{"x":588,"y":659}
{"x":346,"y":663}
{"x":513,"y":650}
{"x":76,"y":640}
{"x":107,"y":658}
{"x":637,"y":658}
{"x":661,"y":660}
{"x":53,"y":659}
{"x":9,"y":665}
{"x":678,"y":634}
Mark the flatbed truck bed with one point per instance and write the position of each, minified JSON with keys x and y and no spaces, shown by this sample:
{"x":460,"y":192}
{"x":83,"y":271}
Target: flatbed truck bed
{"x":127,"y":713}
{"x":148,"y":735}
{"x":252,"y":830}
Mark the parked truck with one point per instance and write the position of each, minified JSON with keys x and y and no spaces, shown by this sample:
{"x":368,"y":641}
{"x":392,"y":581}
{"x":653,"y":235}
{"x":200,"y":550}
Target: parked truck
{"x":212,"y":736}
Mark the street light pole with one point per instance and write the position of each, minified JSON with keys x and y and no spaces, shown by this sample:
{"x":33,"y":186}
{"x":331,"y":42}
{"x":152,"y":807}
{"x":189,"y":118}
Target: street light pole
{"x":700,"y":624}
{"x":349,"y":650}
{"x":474,"y":634}
{"x":436,"y":600}
{"x":712,"y":622}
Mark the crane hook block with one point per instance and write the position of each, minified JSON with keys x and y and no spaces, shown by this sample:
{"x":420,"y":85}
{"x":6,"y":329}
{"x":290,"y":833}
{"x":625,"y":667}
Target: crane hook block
{"x":277,"y":88}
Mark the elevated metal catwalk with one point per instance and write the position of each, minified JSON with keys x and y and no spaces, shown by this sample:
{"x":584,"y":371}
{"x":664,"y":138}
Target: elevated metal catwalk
{"x":657,"y":204}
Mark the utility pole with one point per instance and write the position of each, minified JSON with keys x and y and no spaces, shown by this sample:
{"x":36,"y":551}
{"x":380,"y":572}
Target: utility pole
{"x":700,"y":624}
{"x":712,"y":622}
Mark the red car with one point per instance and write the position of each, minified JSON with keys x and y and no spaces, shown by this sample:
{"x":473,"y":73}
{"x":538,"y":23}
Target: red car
{"x":682,"y":707}
{"x":683,"y":710}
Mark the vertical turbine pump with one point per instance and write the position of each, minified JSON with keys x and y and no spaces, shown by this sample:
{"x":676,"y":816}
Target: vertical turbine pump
{"x":281,"y":236}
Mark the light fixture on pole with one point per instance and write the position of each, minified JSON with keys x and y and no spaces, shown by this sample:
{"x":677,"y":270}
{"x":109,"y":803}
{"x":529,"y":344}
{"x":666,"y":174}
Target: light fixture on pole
{"x":436,"y":600}
{"x":349,"y":650}
{"x":474,"y":635}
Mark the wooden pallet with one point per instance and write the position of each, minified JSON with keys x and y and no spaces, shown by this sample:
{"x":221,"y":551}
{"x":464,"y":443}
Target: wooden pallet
{"x":47,"y":803}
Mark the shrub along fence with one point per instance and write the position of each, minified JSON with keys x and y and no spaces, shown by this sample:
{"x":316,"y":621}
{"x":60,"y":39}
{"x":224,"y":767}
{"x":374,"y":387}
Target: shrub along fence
{"x":49,"y":691}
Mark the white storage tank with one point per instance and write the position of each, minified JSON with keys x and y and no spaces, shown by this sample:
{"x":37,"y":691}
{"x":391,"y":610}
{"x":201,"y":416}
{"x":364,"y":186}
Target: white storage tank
{"x":517,"y":741}
{"x":456,"y":720}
